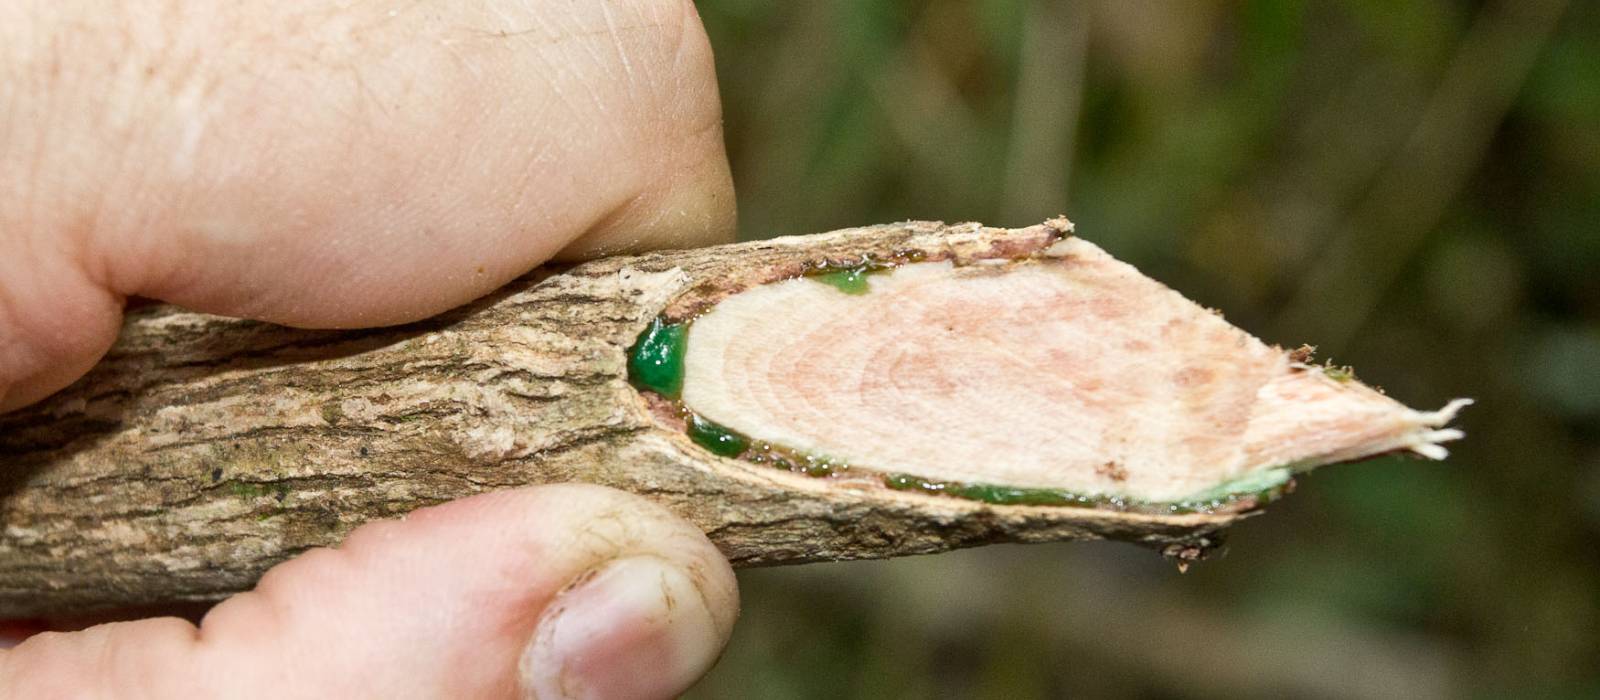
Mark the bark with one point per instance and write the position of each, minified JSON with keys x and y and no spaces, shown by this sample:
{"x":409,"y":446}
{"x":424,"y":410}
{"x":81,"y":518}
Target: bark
{"x":203,"y":450}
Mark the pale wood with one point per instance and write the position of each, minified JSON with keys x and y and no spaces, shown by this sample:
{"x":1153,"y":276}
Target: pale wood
{"x":1066,"y":370}
{"x":204,"y":450}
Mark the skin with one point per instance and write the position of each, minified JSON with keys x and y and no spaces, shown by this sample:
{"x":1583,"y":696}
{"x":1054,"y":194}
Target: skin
{"x":337,"y":164}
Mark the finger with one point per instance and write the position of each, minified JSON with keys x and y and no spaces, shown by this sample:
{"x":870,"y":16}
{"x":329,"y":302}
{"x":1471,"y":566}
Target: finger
{"x":14,"y":631}
{"x":331,"y":164}
{"x":561,"y":591}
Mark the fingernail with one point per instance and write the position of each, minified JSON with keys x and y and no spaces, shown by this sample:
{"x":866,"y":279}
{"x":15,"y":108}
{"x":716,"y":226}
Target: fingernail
{"x":633,"y":628}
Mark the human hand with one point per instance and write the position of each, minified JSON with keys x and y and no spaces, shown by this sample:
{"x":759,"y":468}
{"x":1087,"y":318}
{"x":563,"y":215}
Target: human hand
{"x":324,"y":165}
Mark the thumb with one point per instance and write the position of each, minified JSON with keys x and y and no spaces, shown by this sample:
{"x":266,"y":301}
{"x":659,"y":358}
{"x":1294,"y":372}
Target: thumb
{"x":548,"y":592}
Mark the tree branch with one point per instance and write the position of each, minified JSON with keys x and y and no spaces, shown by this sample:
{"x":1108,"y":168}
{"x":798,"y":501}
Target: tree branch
{"x":203,"y":450}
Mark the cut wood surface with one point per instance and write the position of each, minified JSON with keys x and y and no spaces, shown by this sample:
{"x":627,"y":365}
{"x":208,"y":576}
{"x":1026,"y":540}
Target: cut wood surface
{"x":203,"y":450}
{"x":1065,"y":370}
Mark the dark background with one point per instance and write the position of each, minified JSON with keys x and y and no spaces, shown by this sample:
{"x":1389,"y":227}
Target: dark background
{"x":1414,"y":187}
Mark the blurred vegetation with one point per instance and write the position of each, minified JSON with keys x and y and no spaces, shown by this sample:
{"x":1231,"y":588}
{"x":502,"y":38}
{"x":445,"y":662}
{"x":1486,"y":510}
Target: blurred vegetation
{"x":1414,"y":187}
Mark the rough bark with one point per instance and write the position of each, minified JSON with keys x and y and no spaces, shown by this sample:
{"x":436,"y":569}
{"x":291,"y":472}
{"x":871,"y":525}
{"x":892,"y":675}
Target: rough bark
{"x":203,"y":450}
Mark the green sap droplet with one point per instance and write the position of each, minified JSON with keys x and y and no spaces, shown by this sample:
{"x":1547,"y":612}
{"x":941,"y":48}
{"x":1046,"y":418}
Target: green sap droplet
{"x":908,"y":482}
{"x":715,"y":438}
{"x":1011,"y":496}
{"x":655,"y":361}
{"x":851,"y":281}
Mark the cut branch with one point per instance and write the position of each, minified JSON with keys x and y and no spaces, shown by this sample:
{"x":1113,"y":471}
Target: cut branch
{"x":204,"y":450}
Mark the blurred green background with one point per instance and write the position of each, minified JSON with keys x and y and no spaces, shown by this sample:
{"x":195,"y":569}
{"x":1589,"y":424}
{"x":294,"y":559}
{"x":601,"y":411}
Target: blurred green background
{"x":1413,"y":187}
